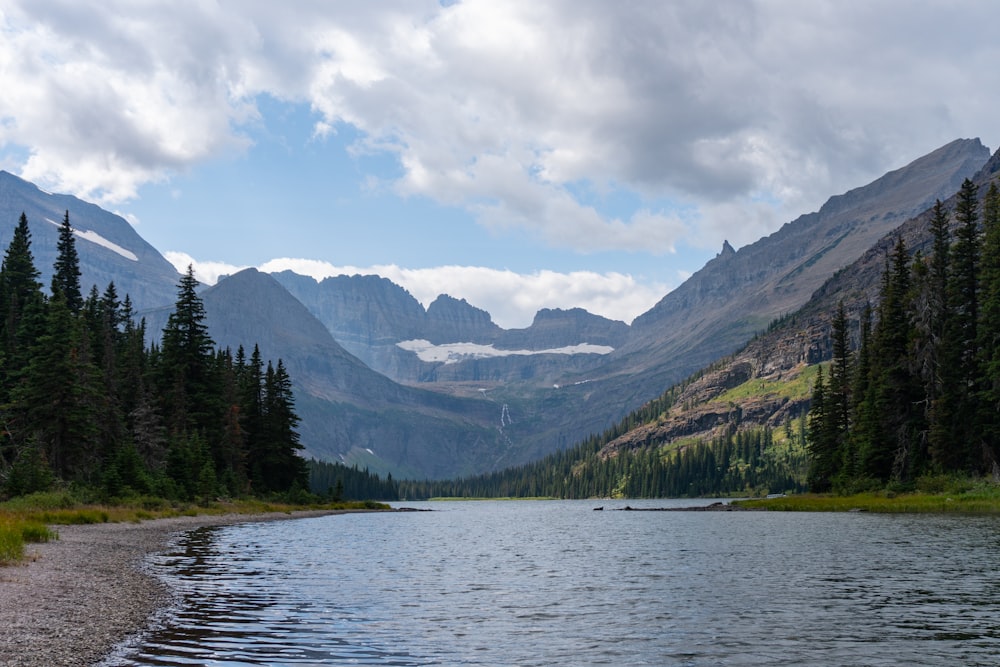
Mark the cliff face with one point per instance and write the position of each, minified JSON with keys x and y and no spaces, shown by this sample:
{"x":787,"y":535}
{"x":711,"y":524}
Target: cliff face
{"x":369,"y":316}
{"x":451,"y":320}
{"x":360,"y":311}
{"x":554,"y":328}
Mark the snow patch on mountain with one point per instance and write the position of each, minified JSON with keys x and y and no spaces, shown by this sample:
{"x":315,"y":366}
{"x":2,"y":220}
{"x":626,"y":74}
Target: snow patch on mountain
{"x":451,"y":353}
{"x":94,"y":237}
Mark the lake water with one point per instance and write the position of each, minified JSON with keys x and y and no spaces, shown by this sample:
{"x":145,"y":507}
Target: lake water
{"x":556,"y":583}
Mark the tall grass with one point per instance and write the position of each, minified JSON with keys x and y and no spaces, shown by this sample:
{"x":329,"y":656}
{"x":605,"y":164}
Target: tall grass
{"x":16,"y":532}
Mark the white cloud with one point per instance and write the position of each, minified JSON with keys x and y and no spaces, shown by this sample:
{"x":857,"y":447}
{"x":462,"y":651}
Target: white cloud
{"x":503,"y":108}
{"x":511,"y":298}
{"x":205,"y":272}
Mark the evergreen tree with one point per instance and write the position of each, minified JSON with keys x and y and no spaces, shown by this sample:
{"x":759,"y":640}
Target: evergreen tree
{"x":55,"y":403}
{"x":892,"y":398}
{"x":822,"y":437}
{"x":989,"y":331}
{"x":21,"y":303}
{"x":956,"y":414}
{"x":66,"y":275}
{"x":932,"y":318}
{"x":840,"y":375}
{"x":188,"y":384}
{"x":282,"y":466}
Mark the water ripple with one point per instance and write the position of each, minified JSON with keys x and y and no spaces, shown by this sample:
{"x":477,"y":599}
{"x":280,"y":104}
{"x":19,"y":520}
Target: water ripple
{"x":544,"y":583}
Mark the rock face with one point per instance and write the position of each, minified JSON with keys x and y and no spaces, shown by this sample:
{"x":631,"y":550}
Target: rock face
{"x":370,"y":315}
{"x":739,"y":293}
{"x":555,"y":328}
{"x":451,"y":320}
{"x":361,"y":312}
{"x":108,"y":247}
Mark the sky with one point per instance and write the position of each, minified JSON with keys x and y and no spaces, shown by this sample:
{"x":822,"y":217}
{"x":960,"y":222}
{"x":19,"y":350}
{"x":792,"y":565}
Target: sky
{"x":517,"y":154}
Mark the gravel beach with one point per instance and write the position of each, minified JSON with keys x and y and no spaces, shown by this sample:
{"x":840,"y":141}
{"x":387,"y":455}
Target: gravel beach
{"x":78,"y":597}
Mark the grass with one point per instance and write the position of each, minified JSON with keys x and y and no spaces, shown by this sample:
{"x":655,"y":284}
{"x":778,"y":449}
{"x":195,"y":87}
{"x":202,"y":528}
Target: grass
{"x":961,"y":497}
{"x":26,"y":519}
{"x":794,"y":384}
{"x":16,"y":532}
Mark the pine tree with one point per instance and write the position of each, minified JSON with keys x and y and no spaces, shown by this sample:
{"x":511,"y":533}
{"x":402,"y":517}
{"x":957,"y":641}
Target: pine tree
{"x":957,"y":434}
{"x":989,"y":331}
{"x":822,"y":437}
{"x":55,"y":403}
{"x":21,"y":304}
{"x":188,"y":383}
{"x":66,"y":275}
{"x":893,"y":394}
{"x":932,"y":319}
{"x":283,"y":467}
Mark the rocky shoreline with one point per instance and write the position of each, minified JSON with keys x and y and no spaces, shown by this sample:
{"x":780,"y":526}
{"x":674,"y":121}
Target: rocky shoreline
{"x":76,"y":598}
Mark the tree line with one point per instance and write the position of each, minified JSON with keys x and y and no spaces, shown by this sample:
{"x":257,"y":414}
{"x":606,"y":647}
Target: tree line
{"x":743,"y":460}
{"x":84,"y":400}
{"x":919,"y":394}
{"x":336,"y":482}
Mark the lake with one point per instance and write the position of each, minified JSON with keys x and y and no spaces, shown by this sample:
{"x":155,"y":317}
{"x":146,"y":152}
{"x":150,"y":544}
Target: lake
{"x":556,"y":583}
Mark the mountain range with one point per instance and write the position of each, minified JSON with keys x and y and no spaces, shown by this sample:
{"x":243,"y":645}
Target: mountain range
{"x":775,"y":361}
{"x":443,"y":391}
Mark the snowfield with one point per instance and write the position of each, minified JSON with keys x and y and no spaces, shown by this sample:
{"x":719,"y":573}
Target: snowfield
{"x":451,"y":353}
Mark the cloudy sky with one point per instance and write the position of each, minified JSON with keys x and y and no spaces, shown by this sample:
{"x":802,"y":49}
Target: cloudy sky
{"x":518,"y":154}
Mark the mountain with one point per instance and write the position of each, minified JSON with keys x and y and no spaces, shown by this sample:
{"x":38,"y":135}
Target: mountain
{"x":776,"y":369}
{"x":736,"y":294}
{"x":475,"y":397}
{"x":451,"y":341}
{"x":739,"y":292}
{"x":349,"y":412}
{"x":552,"y":401}
{"x":109,"y":248}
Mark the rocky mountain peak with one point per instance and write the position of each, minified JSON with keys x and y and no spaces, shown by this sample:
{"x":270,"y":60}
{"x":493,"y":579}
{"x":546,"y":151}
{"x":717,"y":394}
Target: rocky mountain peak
{"x":456,"y":320}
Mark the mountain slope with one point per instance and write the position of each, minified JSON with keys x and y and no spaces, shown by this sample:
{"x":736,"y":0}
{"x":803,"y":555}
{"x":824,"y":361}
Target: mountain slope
{"x":737,"y":294}
{"x":109,"y":247}
{"x":348,"y":411}
{"x":552,"y":403}
{"x":777,"y":368}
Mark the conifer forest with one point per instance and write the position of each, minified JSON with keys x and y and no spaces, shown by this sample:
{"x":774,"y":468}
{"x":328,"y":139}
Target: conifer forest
{"x":86,"y":400}
{"x":919,"y":394}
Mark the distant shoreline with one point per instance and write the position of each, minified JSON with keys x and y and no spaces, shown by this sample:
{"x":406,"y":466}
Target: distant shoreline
{"x":77,"y":598}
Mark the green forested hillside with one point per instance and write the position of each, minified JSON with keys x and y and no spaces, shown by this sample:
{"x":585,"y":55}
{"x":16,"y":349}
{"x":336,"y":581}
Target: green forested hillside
{"x":85,"y":402}
{"x":741,"y":459}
